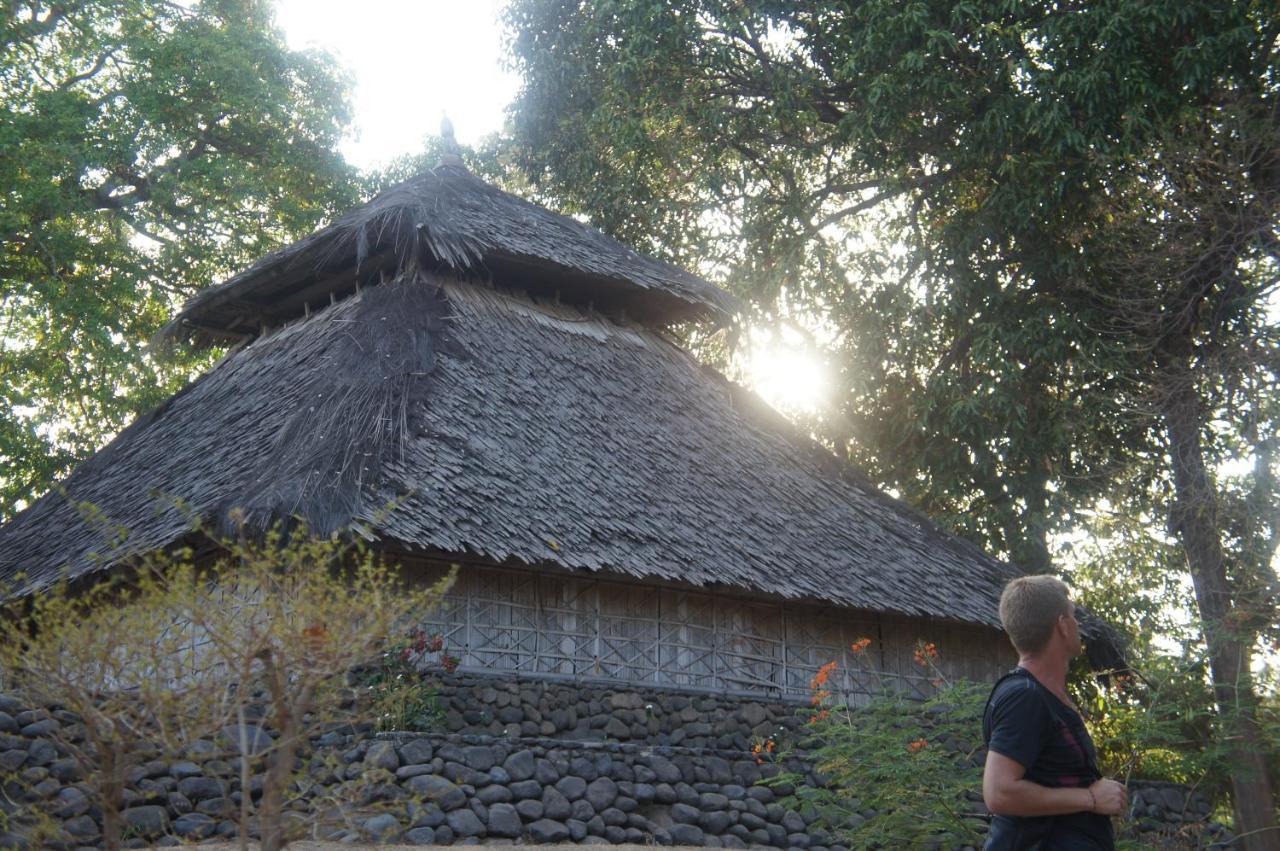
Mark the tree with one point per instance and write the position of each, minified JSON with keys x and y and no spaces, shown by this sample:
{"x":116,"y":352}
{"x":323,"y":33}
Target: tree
{"x":146,"y":148}
{"x":968,"y":194}
{"x":176,"y":647}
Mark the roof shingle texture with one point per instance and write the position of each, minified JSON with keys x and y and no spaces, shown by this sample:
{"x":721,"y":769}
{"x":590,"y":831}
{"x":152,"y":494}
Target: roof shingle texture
{"x":517,"y":432}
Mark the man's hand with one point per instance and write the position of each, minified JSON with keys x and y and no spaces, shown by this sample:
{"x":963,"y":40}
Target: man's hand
{"x":1110,"y":797}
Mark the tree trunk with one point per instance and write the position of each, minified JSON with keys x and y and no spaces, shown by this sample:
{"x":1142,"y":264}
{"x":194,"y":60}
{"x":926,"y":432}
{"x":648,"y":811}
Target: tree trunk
{"x":1195,"y":520}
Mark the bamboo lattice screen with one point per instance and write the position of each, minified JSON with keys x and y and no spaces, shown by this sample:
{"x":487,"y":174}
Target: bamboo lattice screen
{"x":555,"y":625}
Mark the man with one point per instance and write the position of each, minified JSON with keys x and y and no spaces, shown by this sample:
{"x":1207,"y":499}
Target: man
{"x":1041,"y":778}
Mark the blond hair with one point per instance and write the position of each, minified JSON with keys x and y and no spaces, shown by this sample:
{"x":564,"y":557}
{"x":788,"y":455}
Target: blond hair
{"x":1030,"y":607}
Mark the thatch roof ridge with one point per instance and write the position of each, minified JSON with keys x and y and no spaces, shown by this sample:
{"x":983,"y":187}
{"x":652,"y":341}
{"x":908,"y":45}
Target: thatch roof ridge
{"x":447,"y":218}
{"x":532,"y":433}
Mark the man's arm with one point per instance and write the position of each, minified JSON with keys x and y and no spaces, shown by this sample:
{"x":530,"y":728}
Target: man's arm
{"x":1007,"y":792}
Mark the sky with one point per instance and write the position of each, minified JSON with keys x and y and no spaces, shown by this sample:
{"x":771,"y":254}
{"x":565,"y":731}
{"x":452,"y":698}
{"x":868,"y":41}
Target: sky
{"x":412,"y":60}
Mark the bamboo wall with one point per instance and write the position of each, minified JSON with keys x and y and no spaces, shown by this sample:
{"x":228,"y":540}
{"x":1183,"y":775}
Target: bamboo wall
{"x":533,"y":623}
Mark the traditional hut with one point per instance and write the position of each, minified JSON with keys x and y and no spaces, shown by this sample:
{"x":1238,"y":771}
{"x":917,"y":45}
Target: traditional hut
{"x":463,"y":376}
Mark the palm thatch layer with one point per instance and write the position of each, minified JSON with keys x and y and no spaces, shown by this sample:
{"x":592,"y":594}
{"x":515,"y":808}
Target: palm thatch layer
{"x":513,"y":431}
{"x":448,"y":219}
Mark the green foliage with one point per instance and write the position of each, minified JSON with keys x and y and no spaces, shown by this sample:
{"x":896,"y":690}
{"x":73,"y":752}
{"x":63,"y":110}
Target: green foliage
{"x":172,"y":648}
{"x":146,"y":149}
{"x":1041,"y":239}
{"x":403,"y":685}
{"x":913,"y":763}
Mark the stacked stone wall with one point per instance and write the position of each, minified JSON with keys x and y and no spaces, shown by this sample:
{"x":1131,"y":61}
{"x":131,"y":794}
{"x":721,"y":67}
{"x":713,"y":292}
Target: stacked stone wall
{"x":682,"y":774}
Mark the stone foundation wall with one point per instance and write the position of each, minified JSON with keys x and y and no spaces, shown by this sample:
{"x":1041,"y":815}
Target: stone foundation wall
{"x":477,"y":788}
{"x":594,"y":711}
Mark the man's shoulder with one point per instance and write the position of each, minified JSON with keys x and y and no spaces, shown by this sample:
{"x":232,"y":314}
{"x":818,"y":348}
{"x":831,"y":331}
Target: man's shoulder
{"x":1015,"y":699}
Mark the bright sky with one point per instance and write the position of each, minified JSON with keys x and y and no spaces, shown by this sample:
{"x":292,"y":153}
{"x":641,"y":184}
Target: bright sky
{"x":412,"y":59}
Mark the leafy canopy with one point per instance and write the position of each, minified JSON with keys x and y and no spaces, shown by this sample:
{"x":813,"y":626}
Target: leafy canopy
{"x":146,"y":149}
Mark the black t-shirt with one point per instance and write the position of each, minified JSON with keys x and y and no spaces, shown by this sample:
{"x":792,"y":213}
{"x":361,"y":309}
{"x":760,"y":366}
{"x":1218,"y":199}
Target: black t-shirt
{"x":1028,"y":723}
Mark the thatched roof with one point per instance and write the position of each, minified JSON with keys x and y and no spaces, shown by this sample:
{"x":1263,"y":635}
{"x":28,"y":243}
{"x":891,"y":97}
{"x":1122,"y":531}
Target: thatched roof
{"x":513,"y":431}
{"x":448,"y":219}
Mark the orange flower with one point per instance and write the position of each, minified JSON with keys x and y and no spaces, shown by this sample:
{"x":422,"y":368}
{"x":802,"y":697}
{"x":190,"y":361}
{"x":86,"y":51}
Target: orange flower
{"x":821,"y":716}
{"x":770,"y":745}
{"x":925,"y":653}
{"x":860,"y":645}
{"x":824,"y":674}
{"x":917,"y":746}
{"x":818,"y":696}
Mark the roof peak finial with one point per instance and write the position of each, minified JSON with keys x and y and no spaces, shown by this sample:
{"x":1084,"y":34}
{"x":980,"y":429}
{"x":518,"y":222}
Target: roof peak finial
{"x":451,"y":154}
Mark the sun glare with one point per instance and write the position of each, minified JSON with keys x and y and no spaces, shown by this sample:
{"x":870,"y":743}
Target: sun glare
{"x":786,"y":373}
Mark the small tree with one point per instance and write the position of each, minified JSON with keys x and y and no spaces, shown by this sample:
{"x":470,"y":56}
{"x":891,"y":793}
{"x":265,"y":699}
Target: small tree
{"x":117,"y":655}
{"x":175,"y":648}
{"x":299,"y":614}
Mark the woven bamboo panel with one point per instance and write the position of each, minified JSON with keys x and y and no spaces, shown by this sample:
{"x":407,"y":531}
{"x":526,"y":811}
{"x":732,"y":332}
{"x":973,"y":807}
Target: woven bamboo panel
{"x":526,"y":622}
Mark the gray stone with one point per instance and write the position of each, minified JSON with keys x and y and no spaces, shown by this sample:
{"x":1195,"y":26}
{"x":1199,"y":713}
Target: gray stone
{"x":83,"y":828}
{"x":582,"y":810}
{"x":577,"y":829}
{"x":663,"y":793}
{"x":416,"y":752}
{"x":596,"y":826}
{"x":520,"y":765}
{"x":504,"y":821}
{"x":627,"y":805}
{"x":763,"y":794}
{"x":499,"y":775}
{"x":256,"y":739}
{"x":545,"y":773}
{"x":529,"y":809}
{"x":381,"y":828}
{"x":10,"y":704}
{"x":546,"y":830}
{"x":713,"y":801}
{"x":41,"y":752}
{"x":11,"y":761}
{"x":7,"y":723}
{"x":46,"y":788}
{"x":419,"y":836}
{"x":41,"y":729}
{"x":202,"y":788}
{"x":183,"y":770}
{"x":643,"y":793}
{"x":601,"y":793}
{"x":223,"y":807}
{"x":464,"y":775}
{"x":13,"y":841}
{"x":583,"y":768}
{"x":526,"y":789}
{"x":555,"y":805}
{"x":613,"y":816}
{"x":616,"y":728}
{"x":793,"y":823}
{"x":478,"y":757}
{"x":178,"y":803}
{"x":425,"y":815}
{"x":434,"y":788}
{"x":64,"y":770}
{"x":753,"y":714}
{"x":798,"y":840}
{"x":465,"y":823}
{"x":685,"y":814}
{"x":404,"y":772}
{"x":571,"y":787}
{"x":71,"y":802}
{"x":382,"y":755}
{"x":194,"y":826}
{"x":494,"y":794}
{"x":715,"y":822}
{"x":614,"y":834}
{"x":148,"y":821}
